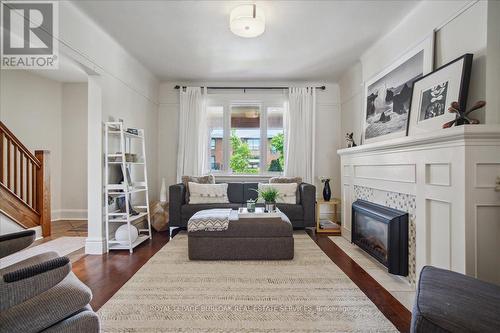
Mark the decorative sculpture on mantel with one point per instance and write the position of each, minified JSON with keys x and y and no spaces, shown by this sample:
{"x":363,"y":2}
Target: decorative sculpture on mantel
{"x":462,"y":117}
{"x":350,"y":140}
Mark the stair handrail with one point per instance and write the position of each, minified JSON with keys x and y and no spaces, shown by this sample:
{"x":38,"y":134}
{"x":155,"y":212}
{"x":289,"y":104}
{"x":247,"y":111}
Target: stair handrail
{"x":19,"y":144}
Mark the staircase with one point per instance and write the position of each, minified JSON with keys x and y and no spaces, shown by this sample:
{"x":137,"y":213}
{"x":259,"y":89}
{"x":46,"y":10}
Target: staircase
{"x":24,"y":183}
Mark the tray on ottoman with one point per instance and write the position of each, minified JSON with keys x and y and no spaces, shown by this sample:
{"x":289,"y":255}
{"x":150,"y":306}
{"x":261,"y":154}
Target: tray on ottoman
{"x":259,"y":238}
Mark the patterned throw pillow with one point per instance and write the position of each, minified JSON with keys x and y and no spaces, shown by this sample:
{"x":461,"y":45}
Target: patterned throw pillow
{"x":208,"y":179}
{"x":207,"y":193}
{"x":298,"y":180}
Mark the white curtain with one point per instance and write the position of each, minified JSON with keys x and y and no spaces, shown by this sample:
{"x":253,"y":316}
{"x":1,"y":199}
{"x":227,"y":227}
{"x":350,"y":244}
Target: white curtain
{"x":300,"y":120}
{"x":193,"y":145}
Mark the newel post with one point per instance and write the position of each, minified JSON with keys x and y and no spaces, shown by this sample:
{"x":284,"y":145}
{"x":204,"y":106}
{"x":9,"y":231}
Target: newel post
{"x":43,"y":190}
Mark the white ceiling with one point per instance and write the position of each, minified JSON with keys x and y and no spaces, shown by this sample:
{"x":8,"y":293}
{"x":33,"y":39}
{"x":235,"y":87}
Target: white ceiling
{"x":191,"y":40}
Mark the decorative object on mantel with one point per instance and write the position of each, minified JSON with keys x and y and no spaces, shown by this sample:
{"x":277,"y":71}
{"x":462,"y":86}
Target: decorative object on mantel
{"x":388,"y":94}
{"x":350,"y":140}
{"x":432,"y":93}
{"x":163,"y":191}
{"x":461,"y":116}
{"x":327,"y":192}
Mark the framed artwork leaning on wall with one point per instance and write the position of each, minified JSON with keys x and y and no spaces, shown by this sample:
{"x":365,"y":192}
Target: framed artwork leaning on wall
{"x":434,"y":92}
{"x":388,"y":94}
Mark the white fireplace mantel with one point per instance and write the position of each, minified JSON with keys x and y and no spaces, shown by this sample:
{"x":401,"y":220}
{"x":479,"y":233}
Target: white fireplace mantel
{"x":452,"y":175}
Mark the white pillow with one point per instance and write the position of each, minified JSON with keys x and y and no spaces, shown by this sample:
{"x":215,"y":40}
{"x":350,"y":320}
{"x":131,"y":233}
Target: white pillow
{"x":287,"y":192}
{"x":207,"y":193}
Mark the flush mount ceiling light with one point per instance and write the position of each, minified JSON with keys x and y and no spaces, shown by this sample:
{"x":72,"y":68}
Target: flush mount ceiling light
{"x":247,"y":21}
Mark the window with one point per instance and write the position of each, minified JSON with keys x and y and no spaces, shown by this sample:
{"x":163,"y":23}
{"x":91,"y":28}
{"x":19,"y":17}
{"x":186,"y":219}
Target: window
{"x":275,"y":139}
{"x":244,"y":157}
{"x":246,"y":136}
{"x":215,"y":132}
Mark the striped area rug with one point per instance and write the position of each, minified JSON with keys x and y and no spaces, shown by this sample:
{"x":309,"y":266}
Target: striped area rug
{"x":307,"y":294}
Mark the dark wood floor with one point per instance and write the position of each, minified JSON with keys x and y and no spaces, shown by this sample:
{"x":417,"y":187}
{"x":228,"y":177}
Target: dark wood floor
{"x":106,"y":274}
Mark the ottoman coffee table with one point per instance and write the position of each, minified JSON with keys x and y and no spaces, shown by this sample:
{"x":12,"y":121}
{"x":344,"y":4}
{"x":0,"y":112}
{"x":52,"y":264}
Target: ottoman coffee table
{"x":249,"y":237}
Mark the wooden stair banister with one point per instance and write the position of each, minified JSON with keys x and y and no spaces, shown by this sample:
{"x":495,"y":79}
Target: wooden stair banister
{"x":24,"y":183}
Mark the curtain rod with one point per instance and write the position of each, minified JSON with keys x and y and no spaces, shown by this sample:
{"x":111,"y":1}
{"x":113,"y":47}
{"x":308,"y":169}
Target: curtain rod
{"x":248,"y":88}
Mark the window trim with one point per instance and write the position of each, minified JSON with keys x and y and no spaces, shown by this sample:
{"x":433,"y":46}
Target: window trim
{"x":227,"y":101}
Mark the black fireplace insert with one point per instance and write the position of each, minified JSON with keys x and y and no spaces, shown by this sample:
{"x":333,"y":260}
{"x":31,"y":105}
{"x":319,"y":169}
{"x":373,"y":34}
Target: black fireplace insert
{"x":383,"y":233}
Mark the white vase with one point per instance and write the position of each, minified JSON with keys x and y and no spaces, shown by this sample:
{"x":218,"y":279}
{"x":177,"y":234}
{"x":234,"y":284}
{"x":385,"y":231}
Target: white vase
{"x":163,"y":191}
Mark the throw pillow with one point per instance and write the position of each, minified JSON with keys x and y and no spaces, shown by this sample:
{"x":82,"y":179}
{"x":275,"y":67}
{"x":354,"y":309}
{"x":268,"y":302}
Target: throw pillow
{"x":207,"y":193}
{"x":286,"y":180}
{"x":287,"y":192}
{"x":209,"y":179}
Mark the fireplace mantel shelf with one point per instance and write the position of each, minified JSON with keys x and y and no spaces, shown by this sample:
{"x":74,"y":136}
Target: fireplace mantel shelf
{"x":450,"y":135}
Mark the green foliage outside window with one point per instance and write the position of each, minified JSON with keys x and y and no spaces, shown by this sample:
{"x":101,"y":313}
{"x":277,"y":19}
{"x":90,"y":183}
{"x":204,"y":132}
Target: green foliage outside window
{"x":240,"y":158}
{"x":277,"y":144}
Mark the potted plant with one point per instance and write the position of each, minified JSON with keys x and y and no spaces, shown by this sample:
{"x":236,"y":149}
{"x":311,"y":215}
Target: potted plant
{"x":269,"y":195}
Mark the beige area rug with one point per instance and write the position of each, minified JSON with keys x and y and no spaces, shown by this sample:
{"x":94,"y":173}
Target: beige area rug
{"x":63,"y":246}
{"x":307,"y":294}
{"x":397,"y":286}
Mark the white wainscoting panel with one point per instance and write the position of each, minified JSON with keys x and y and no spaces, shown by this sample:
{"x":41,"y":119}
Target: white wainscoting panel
{"x":486,"y":174}
{"x":488,"y":248}
{"x":392,"y":172}
{"x":438,"y":226}
{"x":438,"y":174}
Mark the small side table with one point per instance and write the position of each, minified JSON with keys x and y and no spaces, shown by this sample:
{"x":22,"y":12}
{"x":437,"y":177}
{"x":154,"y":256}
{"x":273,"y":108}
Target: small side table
{"x":334,"y":203}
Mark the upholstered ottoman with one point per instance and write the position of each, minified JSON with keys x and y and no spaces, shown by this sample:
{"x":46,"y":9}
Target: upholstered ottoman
{"x":451,"y":302}
{"x":244,"y":239}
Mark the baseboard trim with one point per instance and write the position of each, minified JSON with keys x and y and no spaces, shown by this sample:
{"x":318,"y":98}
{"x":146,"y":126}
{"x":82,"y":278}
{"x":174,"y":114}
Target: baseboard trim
{"x":69,"y":214}
{"x":95,"y":246}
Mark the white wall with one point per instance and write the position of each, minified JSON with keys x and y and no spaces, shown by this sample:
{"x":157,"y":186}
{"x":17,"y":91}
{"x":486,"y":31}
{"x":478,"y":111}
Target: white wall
{"x":351,"y":102}
{"x":74,"y":151}
{"x":461,"y":28}
{"x":50,"y":115}
{"x":129,"y":90}
{"x":30,"y":106}
{"x":328,"y":136}
{"x":126,"y":90}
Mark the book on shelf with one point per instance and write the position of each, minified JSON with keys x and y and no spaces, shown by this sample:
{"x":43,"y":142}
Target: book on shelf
{"x":328,"y":225}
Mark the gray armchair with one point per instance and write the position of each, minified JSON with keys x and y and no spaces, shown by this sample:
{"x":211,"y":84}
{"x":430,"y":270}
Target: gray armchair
{"x":41,"y":294}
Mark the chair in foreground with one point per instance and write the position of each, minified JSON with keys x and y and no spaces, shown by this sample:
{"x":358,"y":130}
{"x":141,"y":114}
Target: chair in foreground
{"x":41,"y":294}
{"x":447,"y":301}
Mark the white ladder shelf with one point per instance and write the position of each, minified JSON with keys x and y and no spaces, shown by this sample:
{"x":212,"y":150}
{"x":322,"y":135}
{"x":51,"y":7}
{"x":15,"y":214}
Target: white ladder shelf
{"x":127,"y":188}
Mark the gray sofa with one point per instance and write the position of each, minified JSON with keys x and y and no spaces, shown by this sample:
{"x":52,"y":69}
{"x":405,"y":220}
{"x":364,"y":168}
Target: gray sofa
{"x":301,"y":214}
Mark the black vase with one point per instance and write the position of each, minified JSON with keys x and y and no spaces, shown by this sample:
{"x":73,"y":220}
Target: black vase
{"x":327,"y":192}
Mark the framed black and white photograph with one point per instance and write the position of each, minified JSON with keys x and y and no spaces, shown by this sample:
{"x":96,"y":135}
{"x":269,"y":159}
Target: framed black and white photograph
{"x":388,"y":94}
{"x":433,"y":94}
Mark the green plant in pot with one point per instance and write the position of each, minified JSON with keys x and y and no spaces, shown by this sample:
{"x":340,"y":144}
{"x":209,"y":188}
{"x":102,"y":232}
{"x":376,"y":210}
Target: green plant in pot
{"x":269,"y":195}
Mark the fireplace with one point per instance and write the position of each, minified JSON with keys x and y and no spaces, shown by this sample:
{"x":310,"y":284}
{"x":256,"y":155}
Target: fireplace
{"x":383,"y":233}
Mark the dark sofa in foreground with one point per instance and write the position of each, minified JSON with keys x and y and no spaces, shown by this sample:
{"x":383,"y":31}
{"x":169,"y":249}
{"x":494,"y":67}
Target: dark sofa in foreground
{"x":301,"y":214}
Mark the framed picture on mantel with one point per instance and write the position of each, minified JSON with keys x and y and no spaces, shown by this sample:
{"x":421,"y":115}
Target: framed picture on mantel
{"x":388,"y":94}
{"x":433,"y":94}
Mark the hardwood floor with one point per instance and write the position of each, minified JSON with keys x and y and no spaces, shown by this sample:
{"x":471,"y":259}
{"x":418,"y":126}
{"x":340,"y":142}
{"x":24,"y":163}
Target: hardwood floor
{"x":106,"y":274}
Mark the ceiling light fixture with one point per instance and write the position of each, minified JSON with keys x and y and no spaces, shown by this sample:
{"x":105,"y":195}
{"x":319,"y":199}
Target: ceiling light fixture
{"x":247,"y":21}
